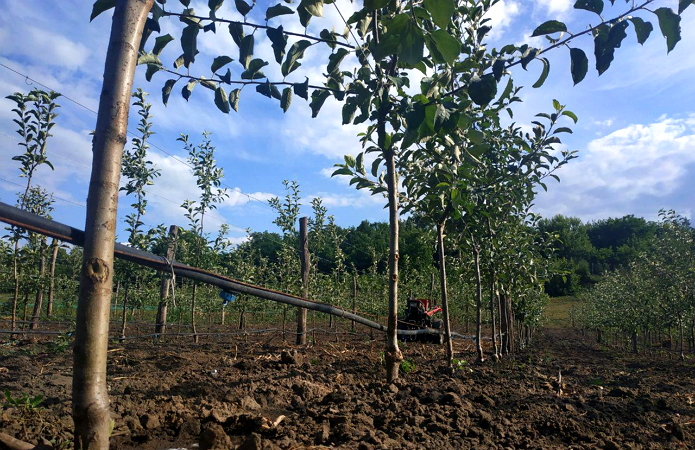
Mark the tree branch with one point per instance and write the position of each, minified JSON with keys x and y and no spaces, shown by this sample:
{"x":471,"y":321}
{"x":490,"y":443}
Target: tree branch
{"x":255,"y":25}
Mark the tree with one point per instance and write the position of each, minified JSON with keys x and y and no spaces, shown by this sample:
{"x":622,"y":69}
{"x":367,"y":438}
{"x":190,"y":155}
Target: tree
{"x":209,"y":176}
{"x":89,"y":395}
{"x":36,"y":112}
{"x":139,"y":173}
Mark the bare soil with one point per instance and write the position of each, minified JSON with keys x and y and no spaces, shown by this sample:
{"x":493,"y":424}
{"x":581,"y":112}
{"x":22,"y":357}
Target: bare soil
{"x":260,"y":393}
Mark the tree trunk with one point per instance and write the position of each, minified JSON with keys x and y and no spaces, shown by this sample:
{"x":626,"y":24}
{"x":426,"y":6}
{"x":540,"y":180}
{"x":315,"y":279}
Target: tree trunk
{"x":445,"y":300}
{"x":478,"y":306}
{"x":167,"y":284}
{"x":89,"y":394}
{"x":38,"y":304}
{"x":304,"y":252}
{"x":124,"y":312}
{"x":493,"y":328}
{"x":193,"y":300}
{"x":393,"y":355}
{"x":354,"y":301}
{"x":15,"y":295}
{"x":51,"y":286}
{"x":432,"y":285}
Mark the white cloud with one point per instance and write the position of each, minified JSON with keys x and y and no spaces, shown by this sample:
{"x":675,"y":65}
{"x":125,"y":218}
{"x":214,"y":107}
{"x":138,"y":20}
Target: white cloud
{"x":635,"y":170}
{"x":502,"y":14}
{"x":43,"y":46}
{"x":555,"y":6}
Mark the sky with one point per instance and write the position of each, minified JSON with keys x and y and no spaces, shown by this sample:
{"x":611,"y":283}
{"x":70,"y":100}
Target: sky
{"x":635,"y":136}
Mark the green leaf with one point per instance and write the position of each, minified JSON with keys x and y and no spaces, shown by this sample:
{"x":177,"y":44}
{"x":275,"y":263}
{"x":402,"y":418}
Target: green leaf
{"x":682,"y":4}
{"x":100,"y":6}
{"x":445,"y":45}
{"x":254,"y":70}
{"x":188,"y":89}
{"x":221,"y":100}
{"x":277,"y":10}
{"x":549,"y":27}
{"x":149,"y":58}
{"x":151,"y":70}
{"x":643,"y":29}
{"x":669,"y":23}
{"x":220,"y":62}
{"x":237,"y":32}
{"x":318,"y":98}
{"x":269,"y":90}
{"x":234,"y":99}
{"x":441,"y":11}
{"x":475,"y":136}
{"x":579,"y":66}
{"x":595,"y":6}
{"x":296,"y":52}
{"x":189,"y":45}
{"x":342,"y":171}
{"x":563,"y":130}
{"x":243,"y":7}
{"x":606,"y":43}
{"x":246,"y":50}
{"x":482,"y":90}
{"x":161,"y":42}
{"x":375,"y":4}
{"x":279,"y":42}
{"x":412,"y":44}
{"x":286,"y":100}
{"x":313,"y":7}
{"x":571,"y":115}
{"x":335,"y":59}
{"x":349,"y":109}
{"x":166,"y":90}
{"x":544,"y":73}
{"x":302,"y":89}
{"x":214,"y":5}
{"x":304,"y":16}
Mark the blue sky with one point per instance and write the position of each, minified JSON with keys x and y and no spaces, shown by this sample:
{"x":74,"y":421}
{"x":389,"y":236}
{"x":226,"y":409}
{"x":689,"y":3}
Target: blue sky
{"x":635,"y":136}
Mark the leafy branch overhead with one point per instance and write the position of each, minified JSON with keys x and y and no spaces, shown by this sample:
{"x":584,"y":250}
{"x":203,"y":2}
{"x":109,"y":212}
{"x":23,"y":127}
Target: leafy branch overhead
{"x":419,"y":34}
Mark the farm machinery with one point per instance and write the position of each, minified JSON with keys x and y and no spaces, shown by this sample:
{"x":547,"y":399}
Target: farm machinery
{"x":418,"y":316}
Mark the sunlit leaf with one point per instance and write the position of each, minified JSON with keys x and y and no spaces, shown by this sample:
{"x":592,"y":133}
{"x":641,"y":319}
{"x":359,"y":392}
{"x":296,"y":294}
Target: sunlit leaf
{"x":221,"y":100}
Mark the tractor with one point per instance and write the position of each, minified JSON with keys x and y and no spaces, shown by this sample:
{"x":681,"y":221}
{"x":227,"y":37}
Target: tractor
{"x":419,"y":317}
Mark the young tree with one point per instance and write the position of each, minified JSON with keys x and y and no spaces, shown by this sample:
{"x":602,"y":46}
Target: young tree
{"x":139,"y":173}
{"x":208,"y":176}
{"x":36,"y":112}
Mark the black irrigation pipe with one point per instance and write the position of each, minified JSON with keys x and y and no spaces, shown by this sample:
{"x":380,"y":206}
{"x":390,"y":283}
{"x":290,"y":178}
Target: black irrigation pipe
{"x":32,"y":222}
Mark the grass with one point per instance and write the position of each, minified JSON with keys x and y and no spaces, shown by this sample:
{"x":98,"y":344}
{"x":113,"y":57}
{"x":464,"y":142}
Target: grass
{"x":557,"y":312}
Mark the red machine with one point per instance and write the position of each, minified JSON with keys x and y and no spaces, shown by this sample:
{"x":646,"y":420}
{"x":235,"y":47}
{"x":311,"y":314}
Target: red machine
{"x":418,"y":316}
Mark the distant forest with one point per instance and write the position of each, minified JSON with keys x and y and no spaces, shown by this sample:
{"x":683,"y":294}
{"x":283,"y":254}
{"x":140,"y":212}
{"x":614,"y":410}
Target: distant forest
{"x":581,"y":252}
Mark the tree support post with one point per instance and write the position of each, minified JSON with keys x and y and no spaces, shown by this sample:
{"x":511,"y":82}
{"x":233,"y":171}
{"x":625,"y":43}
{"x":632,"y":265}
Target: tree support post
{"x":90,"y":398}
{"x":304,"y":252}
{"x":167,"y":284}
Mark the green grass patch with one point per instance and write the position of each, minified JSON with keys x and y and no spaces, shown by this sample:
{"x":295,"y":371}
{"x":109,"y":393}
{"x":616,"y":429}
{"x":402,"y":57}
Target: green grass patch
{"x":557,"y":311}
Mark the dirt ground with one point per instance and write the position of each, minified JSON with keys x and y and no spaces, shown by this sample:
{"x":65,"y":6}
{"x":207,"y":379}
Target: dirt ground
{"x":259,"y":393}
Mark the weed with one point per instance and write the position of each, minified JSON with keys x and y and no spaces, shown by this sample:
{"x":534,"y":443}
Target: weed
{"x":407,"y":366}
{"x":459,"y":364}
{"x":314,"y":361}
{"x":60,"y":345}
{"x":22,"y":402}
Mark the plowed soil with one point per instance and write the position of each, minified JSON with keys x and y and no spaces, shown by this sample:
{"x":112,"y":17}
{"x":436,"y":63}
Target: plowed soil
{"x":260,"y":393}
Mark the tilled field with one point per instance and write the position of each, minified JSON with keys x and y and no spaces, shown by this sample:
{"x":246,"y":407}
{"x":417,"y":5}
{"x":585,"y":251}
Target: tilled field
{"x":259,"y":393}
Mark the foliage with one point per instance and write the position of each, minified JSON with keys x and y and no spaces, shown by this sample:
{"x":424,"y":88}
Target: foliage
{"x":139,"y":172}
{"x":408,"y":366}
{"x":24,"y":401}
